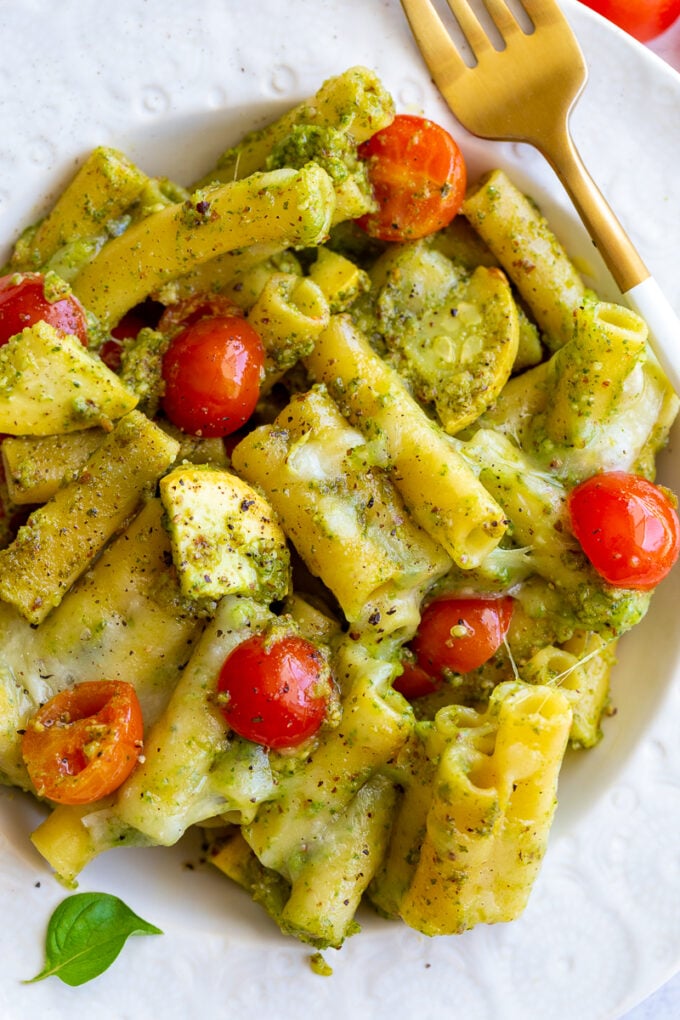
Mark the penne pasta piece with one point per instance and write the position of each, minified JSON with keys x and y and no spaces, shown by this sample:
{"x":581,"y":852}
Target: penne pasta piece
{"x":439,"y":488}
{"x":519,"y":236}
{"x":285,"y":207}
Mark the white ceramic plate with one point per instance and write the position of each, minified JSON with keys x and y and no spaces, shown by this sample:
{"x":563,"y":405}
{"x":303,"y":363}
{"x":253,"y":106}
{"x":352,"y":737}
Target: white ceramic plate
{"x":172,"y":83}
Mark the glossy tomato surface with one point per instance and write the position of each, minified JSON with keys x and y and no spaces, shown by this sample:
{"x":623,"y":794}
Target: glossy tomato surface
{"x":643,"y":19}
{"x":418,"y":175}
{"x":212,"y":373}
{"x":84,"y":742}
{"x":461,"y":634}
{"x":414,"y":682}
{"x":627,"y":527}
{"x":277,"y":692}
{"x":23,"y":303}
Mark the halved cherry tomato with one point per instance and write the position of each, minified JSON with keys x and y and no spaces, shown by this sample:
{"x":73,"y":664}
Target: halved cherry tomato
{"x":644,"y":20}
{"x":84,"y":742}
{"x":278,"y":691}
{"x":418,"y":175}
{"x":23,"y":303}
{"x":212,"y":373}
{"x":627,"y":527}
{"x":458,"y":634}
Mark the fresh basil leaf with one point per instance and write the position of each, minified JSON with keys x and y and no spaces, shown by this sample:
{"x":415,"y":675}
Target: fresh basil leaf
{"x":85,"y":935}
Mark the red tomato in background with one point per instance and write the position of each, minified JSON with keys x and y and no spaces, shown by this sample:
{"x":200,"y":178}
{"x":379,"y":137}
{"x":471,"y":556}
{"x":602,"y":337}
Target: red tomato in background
{"x":418,"y":175}
{"x":84,"y":742}
{"x":145,"y":314}
{"x":644,"y":19}
{"x":212,"y":373}
{"x":278,"y":691}
{"x":414,"y":682}
{"x":23,"y":303}
{"x":198,"y":306}
{"x":458,"y":634}
{"x":627,"y":528}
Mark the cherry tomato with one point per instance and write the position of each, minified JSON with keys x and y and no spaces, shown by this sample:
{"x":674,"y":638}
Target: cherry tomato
{"x":414,"y":682}
{"x":277,"y":691}
{"x":23,"y":303}
{"x":144,"y":314}
{"x":644,"y":20}
{"x":418,"y":175}
{"x":460,"y":634}
{"x":84,"y":742}
{"x":198,"y":306}
{"x":627,"y":528}
{"x":212,"y":372}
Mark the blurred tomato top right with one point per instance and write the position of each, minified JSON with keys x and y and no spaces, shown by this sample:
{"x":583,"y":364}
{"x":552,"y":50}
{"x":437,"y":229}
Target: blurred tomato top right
{"x":644,"y":21}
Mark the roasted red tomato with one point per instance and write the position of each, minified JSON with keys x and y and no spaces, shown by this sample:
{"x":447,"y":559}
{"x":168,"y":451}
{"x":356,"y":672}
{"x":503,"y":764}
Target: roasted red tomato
{"x":414,"y":682}
{"x":645,"y":19}
{"x":458,"y":634}
{"x":212,"y":372}
{"x":23,"y":303}
{"x":627,"y":527}
{"x":84,"y":742}
{"x":418,"y":175}
{"x":277,"y":691}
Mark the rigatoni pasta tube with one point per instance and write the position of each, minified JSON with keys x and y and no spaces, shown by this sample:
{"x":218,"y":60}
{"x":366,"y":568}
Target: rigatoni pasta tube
{"x":63,"y":537}
{"x":289,"y":314}
{"x":493,"y":800}
{"x":105,"y":186}
{"x":345,"y":519}
{"x":312,"y":792}
{"x":519,"y":236}
{"x":290,"y":207}
{"x":326,"y":891}
{"x":354,"y":102}
{"x":439,"y":488}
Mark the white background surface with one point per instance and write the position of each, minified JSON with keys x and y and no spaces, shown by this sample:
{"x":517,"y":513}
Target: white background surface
{"x":665,"y":1003}
{"x":172,"y":83}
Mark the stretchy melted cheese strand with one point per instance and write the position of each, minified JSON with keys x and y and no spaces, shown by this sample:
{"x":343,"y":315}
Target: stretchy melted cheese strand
{"x":439,"y":488}
{"x":581,"y":669}
{"x":533,"y":258}
{"x":288,"y":207}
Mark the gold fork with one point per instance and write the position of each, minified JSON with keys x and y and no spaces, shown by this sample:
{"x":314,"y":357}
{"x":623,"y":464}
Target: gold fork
{"x":525,"y":92}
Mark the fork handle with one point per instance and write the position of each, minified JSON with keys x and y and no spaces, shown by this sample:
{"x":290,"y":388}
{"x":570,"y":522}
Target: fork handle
{"x":634,"y":280}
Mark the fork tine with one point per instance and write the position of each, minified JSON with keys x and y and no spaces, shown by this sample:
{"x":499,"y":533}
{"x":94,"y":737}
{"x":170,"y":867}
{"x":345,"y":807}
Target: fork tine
{"x":477,"y":38}
{"x":441,"y":56}
{"x":502,"y":17}
{"x":544,"y":12}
